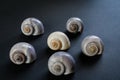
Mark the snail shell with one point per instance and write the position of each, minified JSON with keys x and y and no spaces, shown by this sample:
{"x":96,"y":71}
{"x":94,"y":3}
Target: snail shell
{"x":74,"y":25}
{"x":92,"y":45}
{"x":22,"y":52}
{"x":58,"y":41}
{"x":61,"y":63}
{"x":32,"y":26}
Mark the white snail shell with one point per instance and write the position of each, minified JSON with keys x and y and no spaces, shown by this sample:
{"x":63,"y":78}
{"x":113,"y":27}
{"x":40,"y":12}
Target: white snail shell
{"x":92,"y":45}
{"x":58,"y":41}
{"x":61,"y":63}
{"x":74,"y":25}
{"x":22,"y":52}
{"x":32,"y":26}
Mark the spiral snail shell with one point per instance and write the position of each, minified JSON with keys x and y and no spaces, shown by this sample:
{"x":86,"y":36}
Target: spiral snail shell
{"x":32,"y":26}
{"x":58,"y":41}
{"x":92,"y":45}
{"x":61,"y":63}
{"x":22,"y":52}
{"x":74,"y":25}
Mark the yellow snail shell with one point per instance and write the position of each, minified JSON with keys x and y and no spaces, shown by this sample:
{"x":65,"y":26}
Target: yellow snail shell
{"x":74,"y":25}
{"x":58,"y":41}
{"x":92,"y":45}
{"x":32,"y":26}
{"x":61,"y":63}
{"x":22,"y":52}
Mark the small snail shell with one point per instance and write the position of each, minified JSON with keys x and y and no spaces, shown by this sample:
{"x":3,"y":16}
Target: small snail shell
{"x":92,"y":45}
{"x":58,"y":41}
{"x":32,"y":26}
{"x":74,"y":25}
{"x":22,"y":52}
{"x":61,"y":63}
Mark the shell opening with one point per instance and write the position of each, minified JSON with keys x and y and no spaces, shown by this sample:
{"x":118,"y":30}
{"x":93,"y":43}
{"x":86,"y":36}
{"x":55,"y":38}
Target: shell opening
{"x":92,"y":48}
{"x":74,"y":27}
{"x":58,"y":68}
{"x":56,"y":44}
{"x":27,"y":28}
{"x":18,"y":58}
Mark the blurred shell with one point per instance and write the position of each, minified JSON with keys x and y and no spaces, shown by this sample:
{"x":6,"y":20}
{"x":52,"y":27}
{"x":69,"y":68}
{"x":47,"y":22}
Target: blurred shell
{"x":22,"y":52}
{"x":74,"y":25}
{"x":32,"y":26}
{"x":58,"y":41}
{"x":61,"y":63}
{"x":92,"y":45}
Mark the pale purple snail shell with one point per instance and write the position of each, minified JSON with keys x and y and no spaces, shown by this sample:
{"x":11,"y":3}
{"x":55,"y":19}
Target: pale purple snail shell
{"x":61,"y":63}
{"x":58,"y":41}
{"x":92,"y":45}
{"x":22,"y":52}
{"x":32,"y":26}
{"x":74,"y":25}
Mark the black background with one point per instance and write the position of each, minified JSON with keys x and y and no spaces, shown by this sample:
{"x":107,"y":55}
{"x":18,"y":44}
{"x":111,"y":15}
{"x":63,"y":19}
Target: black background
{"x":100,"y":17}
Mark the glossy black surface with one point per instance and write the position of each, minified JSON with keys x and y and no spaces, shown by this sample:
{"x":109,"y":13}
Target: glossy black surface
{"x":100,"y":17}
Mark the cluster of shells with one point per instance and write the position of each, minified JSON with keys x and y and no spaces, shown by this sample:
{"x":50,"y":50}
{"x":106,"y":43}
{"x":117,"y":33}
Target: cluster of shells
{"x":60,"y":63}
